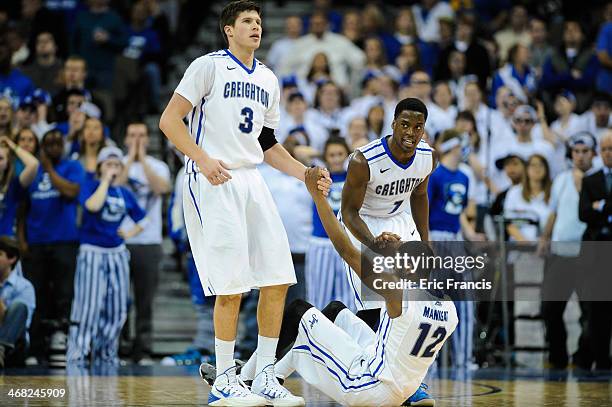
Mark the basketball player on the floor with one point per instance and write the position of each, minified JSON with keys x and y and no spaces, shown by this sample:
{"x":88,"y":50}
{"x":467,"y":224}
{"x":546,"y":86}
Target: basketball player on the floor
{"x":340,"y":355}
{"x":231,"y":101}
{"x":386,"y":191}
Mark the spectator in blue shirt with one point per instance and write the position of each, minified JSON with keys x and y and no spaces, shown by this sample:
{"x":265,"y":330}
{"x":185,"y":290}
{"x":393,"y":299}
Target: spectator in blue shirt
{"x":52,"y":236}
{"x":27,"y":140}
{"x":99,"y":36}
{"x":102,"y":280}
{"x":604,"y":53}
{"x":573,"y":67}
{"x":448,"y":224}
{"x":17,"y":304}
{"x":144,"y":46}
{"x":13,"y":83}
{"x":10,"y":182}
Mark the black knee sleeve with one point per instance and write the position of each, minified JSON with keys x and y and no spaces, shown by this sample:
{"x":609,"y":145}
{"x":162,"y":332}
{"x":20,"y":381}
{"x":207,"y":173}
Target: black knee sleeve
{"x":296,"y":309}
{"x":371,"y":317}
{"x":332,"y":310}
{"x":291,"y":322}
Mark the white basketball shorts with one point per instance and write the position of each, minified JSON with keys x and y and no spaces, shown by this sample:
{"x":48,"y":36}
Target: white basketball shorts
{"x":236,"y":235}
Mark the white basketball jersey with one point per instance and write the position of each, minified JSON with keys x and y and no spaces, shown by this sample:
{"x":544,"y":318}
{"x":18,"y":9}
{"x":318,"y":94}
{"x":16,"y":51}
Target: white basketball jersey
{"x":391,"y":182}
{"x":231,"y":104}
{"x":412,"y":341}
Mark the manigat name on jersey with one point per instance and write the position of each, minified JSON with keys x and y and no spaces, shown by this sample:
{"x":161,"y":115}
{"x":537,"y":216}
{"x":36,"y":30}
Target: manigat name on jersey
{"x":237,"y":89}
{"x":399,"y":186}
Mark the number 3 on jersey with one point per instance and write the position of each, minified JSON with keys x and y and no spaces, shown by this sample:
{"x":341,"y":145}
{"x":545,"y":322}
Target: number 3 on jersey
{"x":247,"y":125}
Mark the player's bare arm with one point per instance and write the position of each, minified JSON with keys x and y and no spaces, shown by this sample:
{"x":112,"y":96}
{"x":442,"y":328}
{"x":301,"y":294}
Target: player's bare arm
{"x":353,"y":193}
{"x":419,"y":203}
{"x":347,"y":250}
{"x":333,"y":228}
{"x":171,"y":124}
{"x":278,"y":157}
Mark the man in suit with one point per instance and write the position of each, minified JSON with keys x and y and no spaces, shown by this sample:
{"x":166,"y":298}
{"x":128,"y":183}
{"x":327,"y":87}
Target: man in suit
{"x":596,"y":211}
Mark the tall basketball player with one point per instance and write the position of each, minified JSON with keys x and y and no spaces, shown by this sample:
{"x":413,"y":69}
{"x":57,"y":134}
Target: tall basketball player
{"x":237,"y":237}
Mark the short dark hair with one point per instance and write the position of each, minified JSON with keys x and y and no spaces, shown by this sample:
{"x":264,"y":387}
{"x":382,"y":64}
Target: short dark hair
{"x":137,"y":123}
{"x":231,"y":12}
{"x":10,"y":246}
{"x":411,"y":104}
{"x":336,"y":140}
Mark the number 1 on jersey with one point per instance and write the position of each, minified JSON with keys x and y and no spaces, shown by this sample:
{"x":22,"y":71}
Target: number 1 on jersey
{"x":397,"y":205}
{"x":247,"y":125}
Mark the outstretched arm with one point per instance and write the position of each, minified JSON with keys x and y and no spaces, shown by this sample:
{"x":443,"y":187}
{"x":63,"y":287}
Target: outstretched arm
{"x":334,"y":230}
{"x":349,"y":252}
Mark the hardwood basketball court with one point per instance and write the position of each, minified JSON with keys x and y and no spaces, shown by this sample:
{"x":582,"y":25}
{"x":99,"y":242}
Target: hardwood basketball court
{"x":163,"y":386}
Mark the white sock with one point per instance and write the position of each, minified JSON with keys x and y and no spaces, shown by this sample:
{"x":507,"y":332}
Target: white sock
{"x":266,"y":352}
{"x":224,"y":353}
{"x":248,"y":370}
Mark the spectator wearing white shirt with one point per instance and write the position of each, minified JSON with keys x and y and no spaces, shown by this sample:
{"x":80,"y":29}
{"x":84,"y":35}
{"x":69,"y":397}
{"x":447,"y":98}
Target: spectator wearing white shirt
{"x":567,"y":124}
{"x":525,"y":143}
{"x":563,"y":234}
{"x":357,"y":132}
{"x":329,"y":107}
{"x":319,"y":73}
{"x":370,"y":94}
{"x":148,"y":178}
{"x":529,"y":201}
{"x":426,"y":16}
{"x":506,"y":103}
{"x":295,"y":116}
{"x":295,"y":209}
{"x":442,"y":112}
{"x":345,"y":59}
{"x":376,"y":121}
{"x":597,"y":120}
{"x":282,"y":46}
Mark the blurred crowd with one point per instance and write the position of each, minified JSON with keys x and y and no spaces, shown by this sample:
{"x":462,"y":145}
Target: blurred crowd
{"x":518,"y":96}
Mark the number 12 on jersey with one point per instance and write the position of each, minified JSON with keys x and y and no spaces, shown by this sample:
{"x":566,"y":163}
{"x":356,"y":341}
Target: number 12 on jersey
{"x":438,"y":336}
{"x":247,"y":125}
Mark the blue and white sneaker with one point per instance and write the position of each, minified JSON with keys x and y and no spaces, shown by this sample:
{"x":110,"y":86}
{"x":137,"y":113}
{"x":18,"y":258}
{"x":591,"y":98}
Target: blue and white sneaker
{"x":420,"y":398}
{"x":229,"y":390}
{"x":266,"y":385}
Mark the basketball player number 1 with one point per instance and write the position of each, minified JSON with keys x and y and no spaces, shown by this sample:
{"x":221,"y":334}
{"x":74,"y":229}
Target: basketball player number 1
{"x":247,"y":125}
{"x":397,"y":205}
{"x":439,"y":335}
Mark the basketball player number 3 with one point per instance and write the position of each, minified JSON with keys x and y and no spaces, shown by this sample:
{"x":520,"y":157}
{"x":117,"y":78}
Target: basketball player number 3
{"x":247,"y":125}
{"x":439,"y":335}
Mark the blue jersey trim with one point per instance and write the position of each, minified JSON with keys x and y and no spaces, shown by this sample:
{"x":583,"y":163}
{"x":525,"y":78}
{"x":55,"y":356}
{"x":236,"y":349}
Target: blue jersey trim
{"x":330,"y":369}
{"x":371,"y":148}
{"x":193,"y":198}
{"x":236,"y":60}
{"x":384,"y":343}
{"x":202,"y":115}
{"x":399,"y":164}
{"x":376,"y":156}
{"x":424,"y":149}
